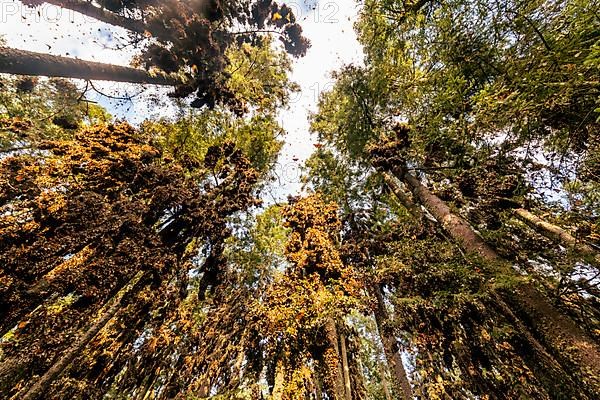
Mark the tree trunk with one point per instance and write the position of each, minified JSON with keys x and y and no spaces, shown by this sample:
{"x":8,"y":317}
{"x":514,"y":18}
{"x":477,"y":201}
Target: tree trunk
{"x":346,"y":368}
{"x":332,"y":362}
{"x":556,"y":233}
{"x":11,"y":371}
{"x":410,"y":206}
{"x":558,"y":331}
{"x":89,"y":9}
{"x":134,"y":25}
{"x":318,"y":385}
{"x":459,"y":229}
{"x":390,"y":347}
{"x":23,"y":62}
{"x":42,"y":385}
{"x":556,"y":381}
{"x":357,"y":377}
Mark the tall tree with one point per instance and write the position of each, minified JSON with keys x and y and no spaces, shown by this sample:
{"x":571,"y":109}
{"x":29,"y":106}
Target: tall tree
{"x":343,"y":181}
{"x":303,"y":309}
{"x":82,"y":222}
{"x":438,"y":65}
{"x":551,"y":325}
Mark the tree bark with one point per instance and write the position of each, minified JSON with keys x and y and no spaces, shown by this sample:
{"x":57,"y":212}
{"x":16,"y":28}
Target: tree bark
{"x":42,"y":385}
{"x":134,"y":25}
{"x":346,"y":368}
{"x":318,"y":386}
{"x":559,"y":332}
{"x":12,"y":370}
{"x":89,"y":9}
{"x":23,"y":62}
{"x":390,"y":347}
{"x":460,"y":230}
{"x":545,"y":367}
{"x":332,"y":361}
{"x":556,"y":233}
{"x":279,"y":383}
{"x":410,"y":206}
{"x":384,"y":383}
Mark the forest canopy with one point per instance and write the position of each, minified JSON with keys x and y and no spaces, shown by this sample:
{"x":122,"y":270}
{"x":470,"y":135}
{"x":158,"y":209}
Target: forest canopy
{"x":445,"y":243}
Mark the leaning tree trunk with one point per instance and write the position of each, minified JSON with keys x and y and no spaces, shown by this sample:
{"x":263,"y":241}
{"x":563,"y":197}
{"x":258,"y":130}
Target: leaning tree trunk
{"x":459,"y":229}
{"x":42,"y":385}
{"x":557,"y":233}
{"x":395,"y":188}
{"x":560,"y":333}
{"x":544,"y":365}
{"x":89,"y":9}
{"x":384,"y":383}
{"x":23,"y":62}
{"x":390,"y":348}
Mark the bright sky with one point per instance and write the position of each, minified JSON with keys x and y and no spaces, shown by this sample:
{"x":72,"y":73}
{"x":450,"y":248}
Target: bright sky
{"x":329,"y":26}
{"x":327,"y":23}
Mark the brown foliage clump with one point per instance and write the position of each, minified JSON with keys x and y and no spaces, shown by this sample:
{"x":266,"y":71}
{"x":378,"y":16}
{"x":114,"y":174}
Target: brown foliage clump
{"x":80,"y":221}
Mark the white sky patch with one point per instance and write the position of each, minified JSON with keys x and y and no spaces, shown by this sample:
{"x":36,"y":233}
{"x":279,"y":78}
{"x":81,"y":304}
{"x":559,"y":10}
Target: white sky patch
{"x":57,"y":31}
{"x":327,"y":23}
{"x":329,"y":26}
{"x":54,"y":30}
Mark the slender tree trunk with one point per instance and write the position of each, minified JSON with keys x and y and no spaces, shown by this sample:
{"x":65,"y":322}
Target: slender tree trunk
{"x":318,"y":385}
{"x":311,"y":385}
{"x":459,"y":229}
{"x":392,"y":351}
{"x":346,"y":368}
{"x":546,"y":368}
{"x":357,"y":377}
{"x":559,"y":332}
{"x":410,"y":206}
{"x":12,"y":370}
{"x":42,"y":385}
{"x":556,"y":233}
{"x":23,"y":62}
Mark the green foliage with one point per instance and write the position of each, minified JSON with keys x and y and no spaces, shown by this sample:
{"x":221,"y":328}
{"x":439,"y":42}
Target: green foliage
{"x":463,"y":71}
{"x":347,"y":114}
{"x":334,"y":178}
{"x":258,"y":75}
{"x":36,"y":109}
{"x":188,"y":137}
{"x":372,"y":358}
{"x":485,"y":90}
{"x":466,"y":95}
{"x":194,"y":38}
{"x":258,"y":251}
